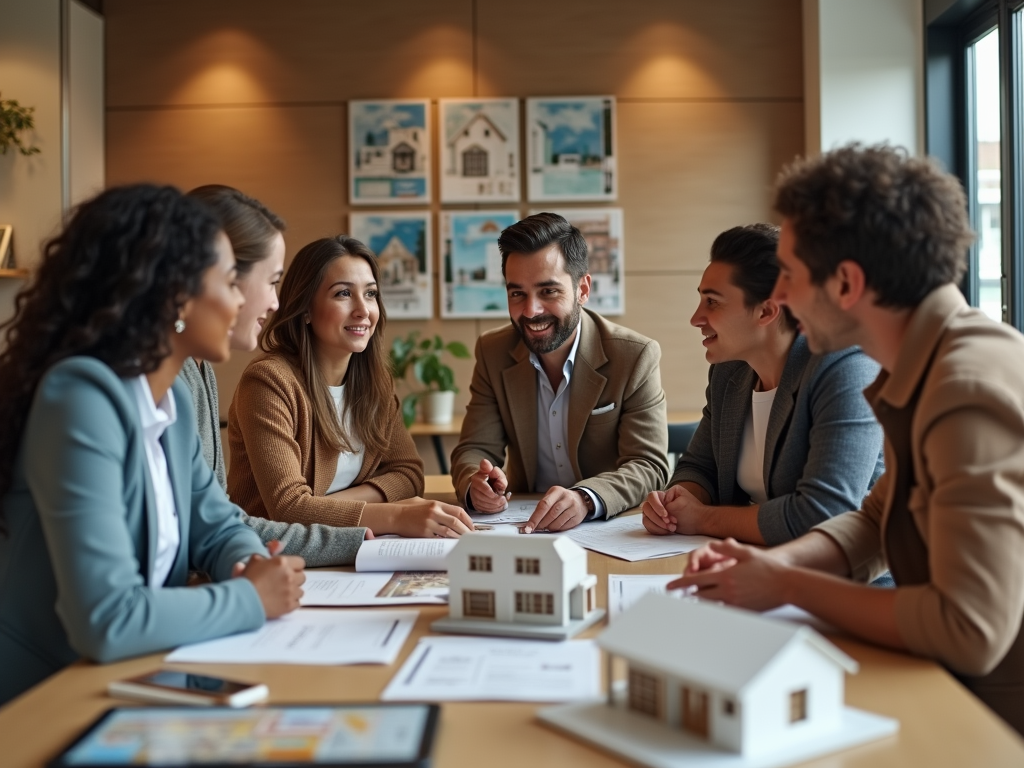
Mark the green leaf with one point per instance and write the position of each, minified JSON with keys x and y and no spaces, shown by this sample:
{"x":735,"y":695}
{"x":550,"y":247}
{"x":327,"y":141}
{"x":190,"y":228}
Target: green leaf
{"x":409,"y":408}
{"x":457,"y":349}
{"x":438,"y":344}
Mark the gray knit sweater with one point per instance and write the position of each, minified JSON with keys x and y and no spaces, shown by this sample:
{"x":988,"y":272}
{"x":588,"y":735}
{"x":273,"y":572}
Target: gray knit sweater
{"x":317,"y":544}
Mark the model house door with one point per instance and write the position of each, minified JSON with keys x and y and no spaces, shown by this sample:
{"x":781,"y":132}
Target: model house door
{"x":695,"y":712}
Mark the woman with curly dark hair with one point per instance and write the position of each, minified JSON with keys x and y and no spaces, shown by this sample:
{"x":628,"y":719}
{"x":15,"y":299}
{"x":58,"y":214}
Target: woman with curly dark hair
{"x":315,"y":428}
{"x":105,"y":498}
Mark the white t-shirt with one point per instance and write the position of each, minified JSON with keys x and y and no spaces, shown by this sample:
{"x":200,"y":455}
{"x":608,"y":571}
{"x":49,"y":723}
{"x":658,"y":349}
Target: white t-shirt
{"x":750,"y":472}
{"x":349,"y":464}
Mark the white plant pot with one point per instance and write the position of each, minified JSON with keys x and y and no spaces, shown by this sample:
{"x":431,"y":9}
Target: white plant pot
{"x":437,"y":407}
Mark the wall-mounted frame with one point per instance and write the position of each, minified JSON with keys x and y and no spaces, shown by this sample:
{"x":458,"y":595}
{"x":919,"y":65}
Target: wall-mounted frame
{"x":479,"y":150}
{"x":570,"y":148}
{"x":602,"y":229}
{"x":403,"y":242}
{"x":7,"y":247}
{"x":389,"y":152}
{"x":473,"y":284}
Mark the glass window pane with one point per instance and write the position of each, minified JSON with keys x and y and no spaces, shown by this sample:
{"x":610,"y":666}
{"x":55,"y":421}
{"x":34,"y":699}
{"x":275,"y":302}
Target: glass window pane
{"x":985,"y":57}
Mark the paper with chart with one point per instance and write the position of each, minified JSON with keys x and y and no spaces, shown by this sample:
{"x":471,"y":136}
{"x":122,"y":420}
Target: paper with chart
{"x":342,"y":588}
{"x":517,"y":512}
{"x":624,"y":589}
{"x":627,"y":539}
{"x":310,"y":636}
{"x":404,"y":554}
{"x":484,"y":669}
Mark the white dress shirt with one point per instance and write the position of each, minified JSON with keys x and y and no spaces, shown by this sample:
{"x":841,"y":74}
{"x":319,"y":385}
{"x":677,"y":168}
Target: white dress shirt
{"x":553,"y":464}
{"x":156,"y":418}
{"x":350,"y":462}
{"x":750,"y":470}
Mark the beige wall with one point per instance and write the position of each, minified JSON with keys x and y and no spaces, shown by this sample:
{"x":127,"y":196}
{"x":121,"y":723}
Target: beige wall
{"x":252,"y":93}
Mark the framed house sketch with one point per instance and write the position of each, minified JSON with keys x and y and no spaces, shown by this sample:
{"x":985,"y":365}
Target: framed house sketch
{"x":570,"y":148}
{"x":479,"y":150}
{"x":602,"y":229}
{"x":389,"y":151}
{"x":473,"y":283}
{"x":403,"y":243}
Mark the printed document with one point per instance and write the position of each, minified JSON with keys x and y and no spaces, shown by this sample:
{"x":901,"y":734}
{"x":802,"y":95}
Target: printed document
{"x":625,"y":589}
{"x":517,"y":512}
{"x":404,"y":554}
{"x":310,"y":636}
{"x":627,"y":539}
{"x":485,"y":669}
{"x":399,"y":588}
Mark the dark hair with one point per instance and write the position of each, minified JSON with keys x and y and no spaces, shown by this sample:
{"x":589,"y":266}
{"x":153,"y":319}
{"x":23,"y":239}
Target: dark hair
{"x":541,"y":230}
{"x":901,"y":218}
{"x":110,"y":286}
{"x":369,"y":373}
{"x":248,"y":223}
{"x":751,"y":251}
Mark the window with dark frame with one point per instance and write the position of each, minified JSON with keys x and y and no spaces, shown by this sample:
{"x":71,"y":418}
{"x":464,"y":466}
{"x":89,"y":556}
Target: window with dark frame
{"x":528,"y":565}
{"x":477,"y":604}
{"x":480,"y":563}
{"x":539,"y":603}
{"x":798,"y":706}
{"x":645,"y":695}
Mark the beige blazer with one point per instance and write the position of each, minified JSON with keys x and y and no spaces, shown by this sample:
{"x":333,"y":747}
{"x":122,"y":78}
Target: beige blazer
{"x":967,"y":500}
{"x":281,"y":470}
{"x":619,"y":453}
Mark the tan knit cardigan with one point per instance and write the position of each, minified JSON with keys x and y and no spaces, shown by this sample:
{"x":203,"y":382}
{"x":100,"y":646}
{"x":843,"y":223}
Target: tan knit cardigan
{"x":280,"y":471}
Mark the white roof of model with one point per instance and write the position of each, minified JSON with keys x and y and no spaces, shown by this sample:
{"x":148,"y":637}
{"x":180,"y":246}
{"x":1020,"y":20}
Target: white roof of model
{"x":715,"y":645}
{"x":519,"y":545}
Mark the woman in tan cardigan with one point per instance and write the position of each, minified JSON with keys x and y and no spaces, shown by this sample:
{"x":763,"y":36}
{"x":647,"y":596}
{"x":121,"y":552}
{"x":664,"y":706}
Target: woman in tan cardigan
{"x":315,"y":428}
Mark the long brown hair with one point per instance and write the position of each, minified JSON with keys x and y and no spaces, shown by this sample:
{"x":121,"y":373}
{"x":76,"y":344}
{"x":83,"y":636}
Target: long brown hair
{"x":249,"y":224}
{"x":369,"y":393}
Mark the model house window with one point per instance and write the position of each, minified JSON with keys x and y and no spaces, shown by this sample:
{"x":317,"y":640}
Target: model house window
{"x":644,"y":693}
{"x":528,"y":565}
{"x":480,"y":563}
{"x":591,"y":600}
{"x":478,"y":604}
{"x":474,"y":161}
{"x":535,"y":602}
{"x":798,"y":706}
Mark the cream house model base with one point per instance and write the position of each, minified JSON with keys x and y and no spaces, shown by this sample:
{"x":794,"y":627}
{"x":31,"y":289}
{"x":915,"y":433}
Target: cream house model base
{"x":716,"y":687}
{"x":519,"y":586}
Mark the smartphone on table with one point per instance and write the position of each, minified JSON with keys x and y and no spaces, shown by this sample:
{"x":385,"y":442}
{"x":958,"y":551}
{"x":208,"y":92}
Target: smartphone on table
{"x":168,"y":686}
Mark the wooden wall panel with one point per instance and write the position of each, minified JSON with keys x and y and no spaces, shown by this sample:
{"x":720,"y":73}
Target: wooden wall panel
{"x":251,"y":93}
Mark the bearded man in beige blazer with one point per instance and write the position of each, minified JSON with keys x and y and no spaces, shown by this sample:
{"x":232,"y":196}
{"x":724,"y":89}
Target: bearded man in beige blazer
{"x":575,"y":400}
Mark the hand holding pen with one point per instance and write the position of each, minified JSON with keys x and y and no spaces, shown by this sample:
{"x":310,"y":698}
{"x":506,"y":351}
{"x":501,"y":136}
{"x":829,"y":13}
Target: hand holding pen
{"x":488,"y":489}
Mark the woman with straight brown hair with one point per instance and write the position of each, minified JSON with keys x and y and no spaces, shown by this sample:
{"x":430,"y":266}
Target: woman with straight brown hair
{"x":315,"y":428}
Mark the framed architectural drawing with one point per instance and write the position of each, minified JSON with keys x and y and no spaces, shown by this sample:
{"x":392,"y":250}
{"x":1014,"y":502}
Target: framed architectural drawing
{"x":389,"y":152}
{"x":479,"y":150}
{"x":473,"y":284}
{"x":602,"y":229}
{"x":570,"y":148}
{"x":404,"y":248}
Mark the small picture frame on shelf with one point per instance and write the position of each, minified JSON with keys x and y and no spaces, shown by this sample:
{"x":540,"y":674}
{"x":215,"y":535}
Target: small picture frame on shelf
{"x":7,"y":247}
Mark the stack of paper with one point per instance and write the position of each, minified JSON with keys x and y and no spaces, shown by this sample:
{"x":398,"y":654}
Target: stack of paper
{"x":404,"y":554}
{"x":483,"y":669}
{"x":310,"y":636}
{"x":627,"y":539}
{"x":387,"y":588}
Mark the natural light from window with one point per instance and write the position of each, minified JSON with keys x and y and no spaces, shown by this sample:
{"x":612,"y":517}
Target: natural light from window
{"x":985,"y":54}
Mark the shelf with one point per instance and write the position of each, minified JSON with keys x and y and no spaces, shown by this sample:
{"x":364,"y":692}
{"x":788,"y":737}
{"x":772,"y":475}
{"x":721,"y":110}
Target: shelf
{"x":17,"y":273}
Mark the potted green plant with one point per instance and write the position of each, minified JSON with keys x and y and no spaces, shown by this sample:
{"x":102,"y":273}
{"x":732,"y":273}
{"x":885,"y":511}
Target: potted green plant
{"x":14,"y":119}
{"x":423,"y":356}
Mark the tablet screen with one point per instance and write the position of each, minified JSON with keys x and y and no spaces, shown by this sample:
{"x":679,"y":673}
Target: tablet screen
{"x":326,"y":735}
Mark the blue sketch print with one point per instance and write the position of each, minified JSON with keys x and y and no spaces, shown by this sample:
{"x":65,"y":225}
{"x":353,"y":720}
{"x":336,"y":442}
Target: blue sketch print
{"x":401,"y":247}
{"x":474,"y":286}
{"x":572,"y":152}
{"x":390,"y":145}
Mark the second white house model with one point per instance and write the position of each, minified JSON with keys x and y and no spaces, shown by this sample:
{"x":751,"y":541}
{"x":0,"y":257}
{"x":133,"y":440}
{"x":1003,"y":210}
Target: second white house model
{"x":721,"y":679}
{"x":519,"y":586}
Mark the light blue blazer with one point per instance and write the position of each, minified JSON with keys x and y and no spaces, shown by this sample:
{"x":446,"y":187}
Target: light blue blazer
{"x":823,"y":448}
{"x":76,"y":563}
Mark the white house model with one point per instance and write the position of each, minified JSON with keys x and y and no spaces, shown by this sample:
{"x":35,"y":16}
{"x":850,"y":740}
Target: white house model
{"x":724,"y":679}
{"x":519,"y":586}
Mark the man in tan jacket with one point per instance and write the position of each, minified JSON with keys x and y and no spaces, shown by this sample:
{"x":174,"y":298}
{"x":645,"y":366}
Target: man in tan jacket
{"x":873,"y":246}
{"x":575,"y":400}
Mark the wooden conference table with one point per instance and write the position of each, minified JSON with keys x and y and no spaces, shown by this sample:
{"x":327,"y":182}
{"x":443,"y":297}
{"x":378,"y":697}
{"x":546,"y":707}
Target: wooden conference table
{"x":940,"y":723}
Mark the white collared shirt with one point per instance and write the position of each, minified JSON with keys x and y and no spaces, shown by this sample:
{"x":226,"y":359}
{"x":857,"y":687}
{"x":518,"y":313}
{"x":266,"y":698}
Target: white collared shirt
{"x":156,"y":418}
{"x":553,"y":464}
{"x":750,"y":466}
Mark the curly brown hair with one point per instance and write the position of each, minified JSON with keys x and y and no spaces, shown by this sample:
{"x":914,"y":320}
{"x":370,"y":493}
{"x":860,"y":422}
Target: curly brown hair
{"x":109,"y":286}
{"x":902,"y":219}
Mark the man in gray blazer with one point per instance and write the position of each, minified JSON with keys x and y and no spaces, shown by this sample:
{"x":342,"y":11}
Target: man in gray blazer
{"x":575,"y":399}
